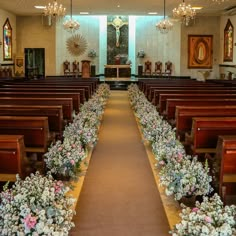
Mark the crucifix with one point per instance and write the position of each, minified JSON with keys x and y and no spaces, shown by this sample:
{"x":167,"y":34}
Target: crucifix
{"x":117,"y":23}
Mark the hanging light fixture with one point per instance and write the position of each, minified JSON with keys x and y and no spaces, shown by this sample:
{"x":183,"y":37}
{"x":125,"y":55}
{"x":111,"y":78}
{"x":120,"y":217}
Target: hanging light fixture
{"x":219,"y":1}
{"x":71,"y":25}
{"x":55,"y":10}
{"x":185,"y":13}
{"x":165,"y":25}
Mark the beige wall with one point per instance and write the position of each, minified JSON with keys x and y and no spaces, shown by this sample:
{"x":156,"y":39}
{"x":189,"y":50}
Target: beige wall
{"x":158,"y":46}
{"x":89,"y":30}
{"x":31,"y":33}
{"x":202,"y":26}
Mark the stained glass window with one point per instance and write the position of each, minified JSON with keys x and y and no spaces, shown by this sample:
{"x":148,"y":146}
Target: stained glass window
{"x":228,"y":41}
{"x":7,"y":41}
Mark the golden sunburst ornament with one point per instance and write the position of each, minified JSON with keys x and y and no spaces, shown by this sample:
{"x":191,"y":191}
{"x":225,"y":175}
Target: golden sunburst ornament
{"x":76,"y":44}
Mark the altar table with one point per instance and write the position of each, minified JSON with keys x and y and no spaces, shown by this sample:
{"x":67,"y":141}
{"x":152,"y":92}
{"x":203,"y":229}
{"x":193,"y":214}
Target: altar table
{"x":117,"y":70}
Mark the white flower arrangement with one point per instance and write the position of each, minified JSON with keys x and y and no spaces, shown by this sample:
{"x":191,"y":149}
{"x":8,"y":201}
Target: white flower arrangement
{"x":64,"y":158}
{"x":141,"y":54}
{"x":36,"y":206}
{"x":92,"y":53}
{"x":209,"y":218}
{"x":186,"y":177}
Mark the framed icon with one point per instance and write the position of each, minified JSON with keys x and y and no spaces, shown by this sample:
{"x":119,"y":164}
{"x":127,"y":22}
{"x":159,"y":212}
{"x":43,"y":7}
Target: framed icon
{"x":200,"y":51}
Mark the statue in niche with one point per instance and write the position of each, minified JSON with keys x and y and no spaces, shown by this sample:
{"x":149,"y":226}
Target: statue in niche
{"x":117,"y":23}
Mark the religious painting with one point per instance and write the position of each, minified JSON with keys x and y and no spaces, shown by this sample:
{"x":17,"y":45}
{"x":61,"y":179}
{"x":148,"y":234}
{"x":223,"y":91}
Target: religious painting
{"x":117,"y":39}
{"x":7,"y":41}
{"x":200,"y":51}
{"x":19,"y":66}
{"x":228,"y":41}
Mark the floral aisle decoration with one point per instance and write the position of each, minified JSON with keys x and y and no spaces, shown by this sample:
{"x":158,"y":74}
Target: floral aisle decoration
{"x":185,"y":178}
{"x":65,"y":157}
{"x":210,"y":217}
{"x":182,"y":175}
{"x":176,"y":168}
{"x":37,"y":205}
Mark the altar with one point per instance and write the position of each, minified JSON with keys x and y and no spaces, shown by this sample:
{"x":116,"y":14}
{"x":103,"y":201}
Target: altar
{"x":117,"y":71}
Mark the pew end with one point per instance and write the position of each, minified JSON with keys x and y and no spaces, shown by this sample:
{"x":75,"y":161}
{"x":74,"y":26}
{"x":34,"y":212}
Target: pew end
{"x":225,"y":159}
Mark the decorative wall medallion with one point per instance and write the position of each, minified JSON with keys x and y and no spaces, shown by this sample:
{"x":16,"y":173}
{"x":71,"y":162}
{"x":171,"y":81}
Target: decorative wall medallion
{"x":76,"y":44}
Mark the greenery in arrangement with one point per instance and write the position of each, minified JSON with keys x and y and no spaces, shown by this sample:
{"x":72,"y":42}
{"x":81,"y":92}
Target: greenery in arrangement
{"x":210,"y":217}
{"x":182,"y":175}
{"x":141,"y":54}
{"x":92,"y":53}
{"x":37,"y":205}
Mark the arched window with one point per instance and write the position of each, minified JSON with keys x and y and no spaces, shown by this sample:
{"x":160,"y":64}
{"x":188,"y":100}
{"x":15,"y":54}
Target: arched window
{"x":7,"y":41}
{"x":228,"y":41}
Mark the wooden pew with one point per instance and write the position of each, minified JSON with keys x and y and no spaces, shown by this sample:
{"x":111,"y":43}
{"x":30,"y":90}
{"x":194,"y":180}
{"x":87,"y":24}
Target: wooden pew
{"x":205,"y":132}
{"x":171,"y":104}
{"x":85,"y":92}
{"x":184,"y":115}
{"x":163,"y":97}
{"x":54,"y":114}
{"x":93,"y":82}
{"x":157,"y":93}
{"x":35,"y":131}
{"x":151,"y":91}
{"x":12,"y":157}
{"x":26,"y":93}
{"x":225,"y":159}
{"x":66,"y":103}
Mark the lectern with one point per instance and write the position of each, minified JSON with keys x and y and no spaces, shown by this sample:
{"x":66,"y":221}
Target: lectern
{"x":85,"y":69}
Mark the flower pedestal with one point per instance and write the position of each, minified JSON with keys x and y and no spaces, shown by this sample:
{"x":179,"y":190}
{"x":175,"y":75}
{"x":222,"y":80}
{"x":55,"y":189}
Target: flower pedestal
{"x":188,"y":201}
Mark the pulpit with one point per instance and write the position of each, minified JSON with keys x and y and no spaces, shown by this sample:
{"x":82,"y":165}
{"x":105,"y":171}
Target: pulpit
{"x":85,"y":69}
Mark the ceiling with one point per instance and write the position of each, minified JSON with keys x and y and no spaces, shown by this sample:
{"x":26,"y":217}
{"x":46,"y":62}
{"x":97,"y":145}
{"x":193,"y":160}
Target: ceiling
{"x":110,"y":7}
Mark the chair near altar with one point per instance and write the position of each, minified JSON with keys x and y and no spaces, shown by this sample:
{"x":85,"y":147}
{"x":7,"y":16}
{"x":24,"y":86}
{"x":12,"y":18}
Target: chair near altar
{"x":147,"y":68}
{"x":75,"y":68}
{"x":158,"y":68}
{"x":168,"y":68}
{"x":66,"y":67}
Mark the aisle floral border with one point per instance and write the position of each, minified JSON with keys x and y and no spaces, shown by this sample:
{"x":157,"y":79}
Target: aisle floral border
{"x":181,"y":174}
{"x":40,"y":205}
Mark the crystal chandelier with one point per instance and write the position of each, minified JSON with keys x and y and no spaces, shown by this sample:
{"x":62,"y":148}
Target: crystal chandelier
{"x":185,"y":13}
{"x":55,"y":10}
{"x":71,"y":25}
{"x":165,"y":25}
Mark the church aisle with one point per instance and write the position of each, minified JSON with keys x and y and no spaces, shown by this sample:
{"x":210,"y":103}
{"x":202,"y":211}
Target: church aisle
{"x":119,"y":195}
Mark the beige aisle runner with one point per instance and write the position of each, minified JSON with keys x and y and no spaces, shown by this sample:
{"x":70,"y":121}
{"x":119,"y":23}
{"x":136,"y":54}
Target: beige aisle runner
{"x":119,"y":196}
